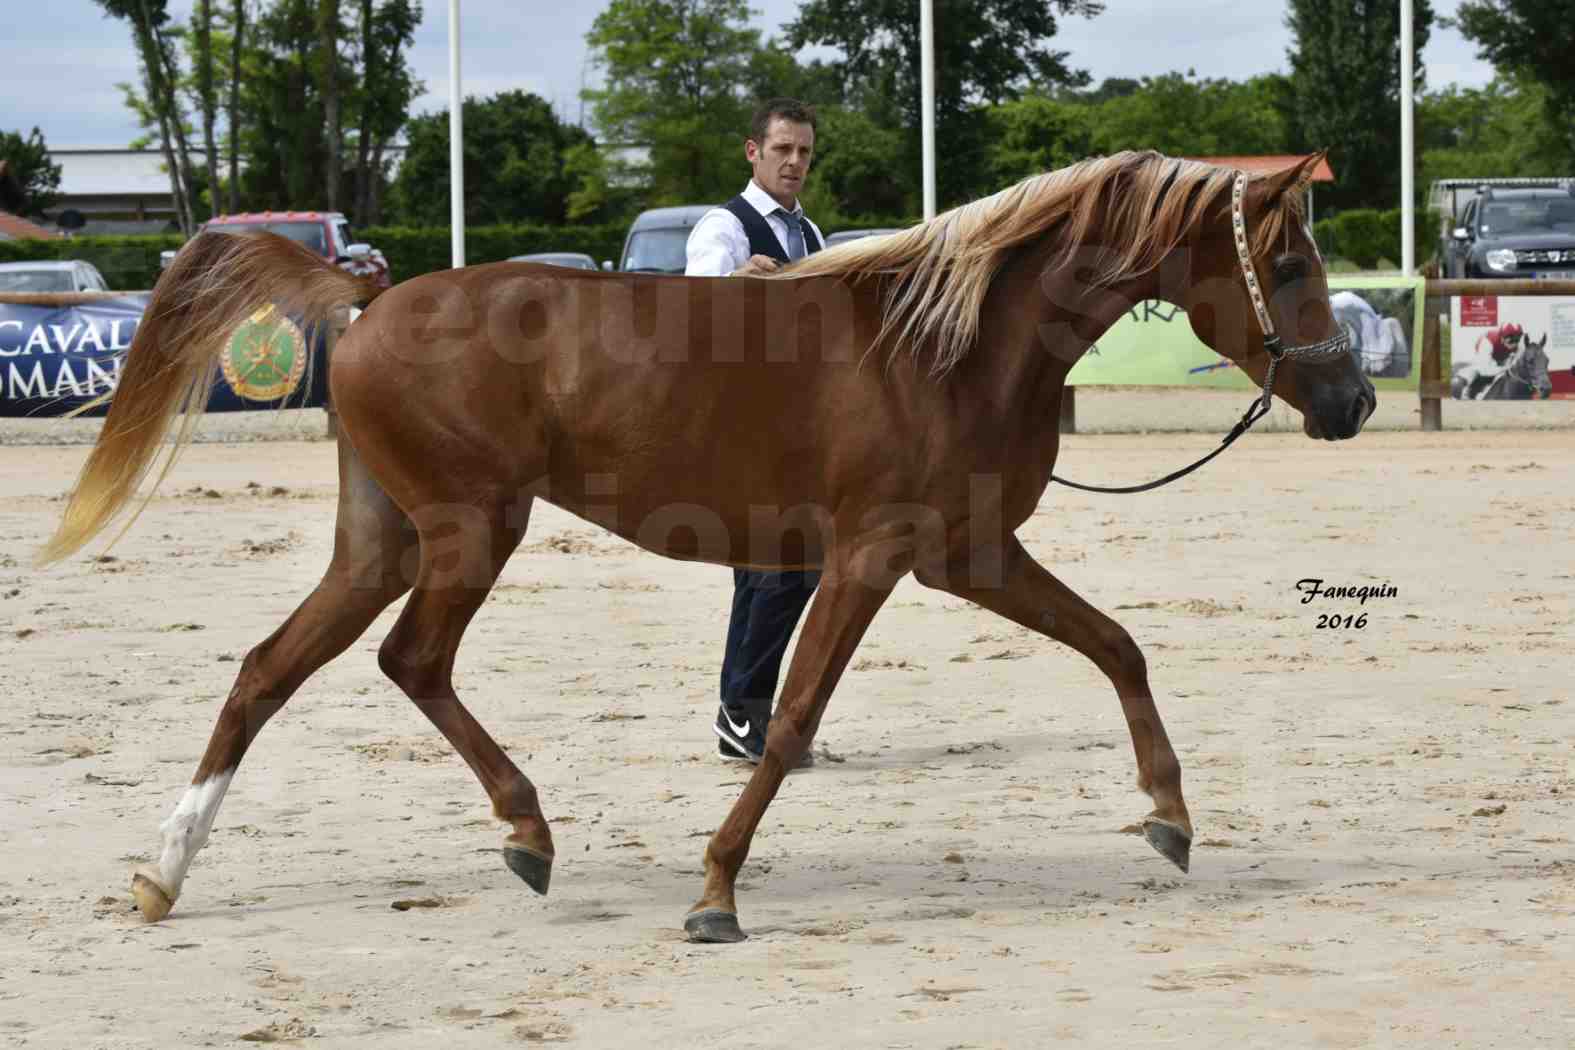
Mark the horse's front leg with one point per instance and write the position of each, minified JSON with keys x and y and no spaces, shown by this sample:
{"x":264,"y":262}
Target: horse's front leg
{"x":1029,"y":595}
{"x":849,"y":596}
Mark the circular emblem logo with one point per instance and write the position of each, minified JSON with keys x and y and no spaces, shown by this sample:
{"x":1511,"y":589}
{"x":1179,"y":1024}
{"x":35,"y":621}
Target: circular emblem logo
{"x":266,"y":357}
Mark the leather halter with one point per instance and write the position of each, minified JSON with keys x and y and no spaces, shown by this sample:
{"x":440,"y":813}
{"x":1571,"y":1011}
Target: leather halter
{"x":1331,"y":347}
{"x":1277,"y":351}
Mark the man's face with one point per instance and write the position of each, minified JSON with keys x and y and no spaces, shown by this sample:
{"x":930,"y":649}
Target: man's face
{"x":782,"y":161}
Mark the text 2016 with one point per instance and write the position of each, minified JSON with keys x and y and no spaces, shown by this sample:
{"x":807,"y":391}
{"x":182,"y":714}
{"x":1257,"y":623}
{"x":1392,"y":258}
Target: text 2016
{"x":1334,"y":621}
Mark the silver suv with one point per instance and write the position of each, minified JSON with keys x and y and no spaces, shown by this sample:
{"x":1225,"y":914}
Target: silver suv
{"x":658,"y":239}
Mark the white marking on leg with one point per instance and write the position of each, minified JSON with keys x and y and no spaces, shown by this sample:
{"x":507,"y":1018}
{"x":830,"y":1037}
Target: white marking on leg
{"x":187,"y":829}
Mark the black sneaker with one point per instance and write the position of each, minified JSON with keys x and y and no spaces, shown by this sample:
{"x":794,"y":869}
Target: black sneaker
{"x":745,"y":741}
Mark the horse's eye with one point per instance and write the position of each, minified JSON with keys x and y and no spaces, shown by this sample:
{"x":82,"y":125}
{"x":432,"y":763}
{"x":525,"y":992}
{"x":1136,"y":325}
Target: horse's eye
{"x":1288,"y":268}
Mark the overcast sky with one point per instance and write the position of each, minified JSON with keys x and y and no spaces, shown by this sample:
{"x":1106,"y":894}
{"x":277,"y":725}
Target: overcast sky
{"x":60,"y":72}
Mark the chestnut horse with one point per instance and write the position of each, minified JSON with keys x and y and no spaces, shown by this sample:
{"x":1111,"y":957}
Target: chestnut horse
{"x":882,"y":408}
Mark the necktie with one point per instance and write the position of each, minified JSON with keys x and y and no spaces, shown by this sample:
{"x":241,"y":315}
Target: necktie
{"x":795,"y":234}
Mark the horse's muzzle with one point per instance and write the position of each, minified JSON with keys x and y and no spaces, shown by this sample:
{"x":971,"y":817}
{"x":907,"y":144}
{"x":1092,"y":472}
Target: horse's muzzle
{"x":1337,"y":418}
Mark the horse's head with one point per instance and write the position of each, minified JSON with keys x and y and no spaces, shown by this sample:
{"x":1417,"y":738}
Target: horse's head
{"x":1530,"y":365}
{"x":1284,"y":271}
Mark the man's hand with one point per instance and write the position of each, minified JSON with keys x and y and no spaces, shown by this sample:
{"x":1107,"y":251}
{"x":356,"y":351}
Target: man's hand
{"x":757,"y":266}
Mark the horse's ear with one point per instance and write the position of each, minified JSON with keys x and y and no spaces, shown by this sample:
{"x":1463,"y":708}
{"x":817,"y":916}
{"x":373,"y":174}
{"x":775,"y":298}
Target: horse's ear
{"x":1295,"y":177}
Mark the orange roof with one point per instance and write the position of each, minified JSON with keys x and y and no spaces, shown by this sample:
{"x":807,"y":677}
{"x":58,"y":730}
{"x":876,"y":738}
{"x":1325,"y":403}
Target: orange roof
{"x":1321,"y":173}
{"x":16,"y":227}
{"x":245,"y":217}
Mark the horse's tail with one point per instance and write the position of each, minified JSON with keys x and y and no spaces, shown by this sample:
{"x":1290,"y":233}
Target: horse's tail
{"x":216,"y":282}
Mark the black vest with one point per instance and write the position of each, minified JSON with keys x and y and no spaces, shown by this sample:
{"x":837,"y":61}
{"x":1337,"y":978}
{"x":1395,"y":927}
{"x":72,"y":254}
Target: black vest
{"x":761,"y":240}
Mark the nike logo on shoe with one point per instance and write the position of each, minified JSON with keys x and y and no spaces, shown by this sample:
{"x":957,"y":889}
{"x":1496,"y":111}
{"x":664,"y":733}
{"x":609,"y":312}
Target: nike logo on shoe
{"x":740,"y":730}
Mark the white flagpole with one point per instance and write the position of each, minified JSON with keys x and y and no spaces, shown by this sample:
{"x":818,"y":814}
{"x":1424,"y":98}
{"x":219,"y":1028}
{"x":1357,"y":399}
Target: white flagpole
{"x":456,"y":139}
{"x":1407,"y":153}
{"x":927,"y":100}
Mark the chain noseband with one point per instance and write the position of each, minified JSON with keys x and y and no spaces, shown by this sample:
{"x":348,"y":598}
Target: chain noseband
{"x":1277,"y":351}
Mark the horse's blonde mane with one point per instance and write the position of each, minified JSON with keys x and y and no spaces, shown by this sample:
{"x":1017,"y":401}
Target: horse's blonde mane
{"x":943,"y":268}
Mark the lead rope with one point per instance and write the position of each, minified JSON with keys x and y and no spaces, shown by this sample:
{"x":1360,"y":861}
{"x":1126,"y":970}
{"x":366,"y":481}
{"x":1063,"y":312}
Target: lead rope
{"x":1271,"y":343}
{"x":1256,"y":411}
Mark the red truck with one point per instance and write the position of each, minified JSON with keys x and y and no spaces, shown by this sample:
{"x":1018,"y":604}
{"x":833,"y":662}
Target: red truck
{"x":327,"y":233}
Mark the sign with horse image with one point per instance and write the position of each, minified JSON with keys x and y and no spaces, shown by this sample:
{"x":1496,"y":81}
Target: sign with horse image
{"x":1512,"y":348}
{"x":56,"y":358}
{"x":1154,"y":345}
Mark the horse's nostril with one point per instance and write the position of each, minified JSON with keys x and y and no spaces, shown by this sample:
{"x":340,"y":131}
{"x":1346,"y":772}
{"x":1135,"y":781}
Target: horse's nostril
{"x":1358,"y":412}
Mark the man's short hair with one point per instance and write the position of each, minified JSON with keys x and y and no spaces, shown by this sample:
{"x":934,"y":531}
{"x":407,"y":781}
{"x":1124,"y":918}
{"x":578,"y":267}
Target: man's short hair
{"x":787,"y":109}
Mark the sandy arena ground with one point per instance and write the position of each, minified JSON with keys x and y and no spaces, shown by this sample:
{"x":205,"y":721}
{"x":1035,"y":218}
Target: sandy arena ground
{"x":1383,"y":856}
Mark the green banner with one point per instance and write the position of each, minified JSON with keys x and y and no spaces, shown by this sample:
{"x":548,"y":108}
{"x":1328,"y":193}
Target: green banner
{"x":1153,"y":344}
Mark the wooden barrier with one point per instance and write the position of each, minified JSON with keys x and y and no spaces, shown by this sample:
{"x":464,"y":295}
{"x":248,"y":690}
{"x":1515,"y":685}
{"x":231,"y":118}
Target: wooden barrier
{"x":1433,"y":387}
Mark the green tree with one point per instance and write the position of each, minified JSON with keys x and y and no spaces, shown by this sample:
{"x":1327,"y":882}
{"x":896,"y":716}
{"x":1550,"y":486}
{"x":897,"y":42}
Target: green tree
{"x":1038,"y":133}
{"x":516,"y":153}
{"x":776,"y":72}
{"x":200,"y":42}
{"x":1534,"y":38}
{"x":1280,"y":91}
{"x":237,"y":33}
{"x":311,"y":108}
{"x":154,"y":39}
{"x":675,"y":84}
{"x":986,"y":52}
{"x":858,"y":168}
{"x":1181,"y":115}
{"x":287,"y":93}
{"x":596,"y":196}
{"x":283,"y":129}
{"x":329,"y":78}
{"x":1498,"y":131}
{"x":27,"y":163}
{"x":379,"y":102}
{"x":1176,"y":113}
{"x":1345,"y":65}
{"x":1109,"y":88}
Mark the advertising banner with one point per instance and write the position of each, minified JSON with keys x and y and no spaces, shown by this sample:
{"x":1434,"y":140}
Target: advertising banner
{"x":1153,"y":345}
{"x":56,"y":358}
{"x":1511,"y":347}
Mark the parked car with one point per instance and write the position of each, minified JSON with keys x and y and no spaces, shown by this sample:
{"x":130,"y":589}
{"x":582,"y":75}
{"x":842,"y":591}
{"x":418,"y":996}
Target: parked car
{"x":69,"y":275}
{"x":844,"y":236}
{"x":572,"y":260}
{"x":1514,"y":232}
{"x":327,"y":233}
{"x":657,"y":239}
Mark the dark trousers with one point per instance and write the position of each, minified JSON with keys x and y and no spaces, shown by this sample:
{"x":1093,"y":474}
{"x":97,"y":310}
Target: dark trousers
{"x":766,"y":608}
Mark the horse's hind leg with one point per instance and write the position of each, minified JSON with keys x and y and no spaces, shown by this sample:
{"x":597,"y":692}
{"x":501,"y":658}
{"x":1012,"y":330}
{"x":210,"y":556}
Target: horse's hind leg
{"x":371,"y":536}
{"x":1029,"y":595}
{"x":463,"y":548}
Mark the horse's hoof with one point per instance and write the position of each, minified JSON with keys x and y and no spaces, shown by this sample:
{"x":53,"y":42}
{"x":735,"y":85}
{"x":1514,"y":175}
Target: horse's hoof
{"x":713,"y":926}
{"x":1172,"y":841}
{"x":152,"y":899}
{"x":535,"y":868}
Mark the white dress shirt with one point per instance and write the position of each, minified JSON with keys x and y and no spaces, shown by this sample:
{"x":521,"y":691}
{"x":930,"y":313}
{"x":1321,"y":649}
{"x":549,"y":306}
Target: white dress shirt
{"x":718,"y":244}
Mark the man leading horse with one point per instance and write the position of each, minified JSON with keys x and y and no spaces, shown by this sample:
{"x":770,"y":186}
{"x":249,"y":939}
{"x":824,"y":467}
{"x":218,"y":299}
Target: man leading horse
{"x":752,"y":235}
